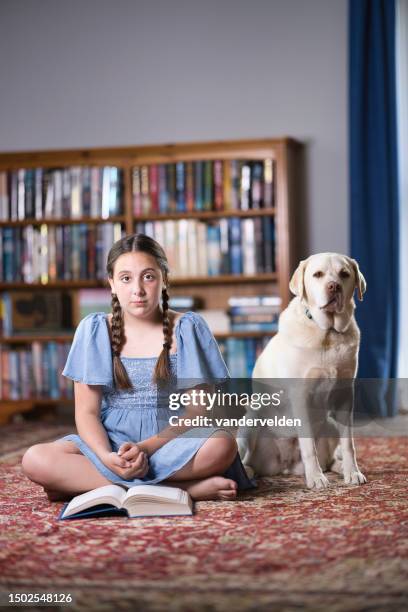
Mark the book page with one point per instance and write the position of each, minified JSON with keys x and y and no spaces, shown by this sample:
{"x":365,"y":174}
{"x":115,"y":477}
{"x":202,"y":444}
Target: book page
{"x":158,"y":492}
{"x":111,"y":494}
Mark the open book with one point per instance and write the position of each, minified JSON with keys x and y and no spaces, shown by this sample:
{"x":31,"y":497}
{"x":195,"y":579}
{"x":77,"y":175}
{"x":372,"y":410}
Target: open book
{"x":142,"y":500}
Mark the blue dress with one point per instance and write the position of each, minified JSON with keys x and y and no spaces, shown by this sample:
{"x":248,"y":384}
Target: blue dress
{"x":141,"y":412}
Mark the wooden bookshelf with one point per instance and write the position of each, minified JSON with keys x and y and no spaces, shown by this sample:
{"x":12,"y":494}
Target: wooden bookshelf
{"x":214,"y":290}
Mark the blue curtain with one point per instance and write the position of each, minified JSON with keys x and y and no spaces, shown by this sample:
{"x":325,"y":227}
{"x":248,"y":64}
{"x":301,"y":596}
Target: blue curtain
{"x":374,"y":191}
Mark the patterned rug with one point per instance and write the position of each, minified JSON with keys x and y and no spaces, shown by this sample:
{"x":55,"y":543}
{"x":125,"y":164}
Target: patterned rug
{"x":279,"y":548}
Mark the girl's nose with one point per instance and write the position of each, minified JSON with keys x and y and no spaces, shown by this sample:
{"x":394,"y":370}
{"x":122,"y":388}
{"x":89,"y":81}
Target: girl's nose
{"x":138,"y":289}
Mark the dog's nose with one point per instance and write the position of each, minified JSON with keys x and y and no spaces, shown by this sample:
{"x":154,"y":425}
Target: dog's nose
{"x":333,"y":287}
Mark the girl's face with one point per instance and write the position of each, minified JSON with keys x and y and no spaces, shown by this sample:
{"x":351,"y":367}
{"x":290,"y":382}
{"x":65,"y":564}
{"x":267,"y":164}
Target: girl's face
{"x":138,"y":283}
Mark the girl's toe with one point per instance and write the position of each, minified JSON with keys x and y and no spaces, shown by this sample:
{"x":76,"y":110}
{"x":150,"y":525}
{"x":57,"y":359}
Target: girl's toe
{"x":228,"y":494}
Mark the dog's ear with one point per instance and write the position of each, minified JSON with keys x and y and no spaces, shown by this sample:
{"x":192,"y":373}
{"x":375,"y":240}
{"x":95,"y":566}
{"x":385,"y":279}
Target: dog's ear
{"x":297,"y":285}
{"x":361,"y":284}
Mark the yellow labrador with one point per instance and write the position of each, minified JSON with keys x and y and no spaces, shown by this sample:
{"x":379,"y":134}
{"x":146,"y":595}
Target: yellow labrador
{"x":318,"y":338}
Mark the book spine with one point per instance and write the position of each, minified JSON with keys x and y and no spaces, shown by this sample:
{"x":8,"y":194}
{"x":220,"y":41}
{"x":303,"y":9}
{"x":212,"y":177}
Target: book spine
{"x":226,"y":185}
{"x":14,"y":196}
{"x":189,"y":186}
{"x":163,"y":193}
{"x":137,"y":191}
{"x":224,"y":246}
{"x":86,"y":191}
{"x":218,"y":185}
{"x":257,"y":185}
{"x":145,"y":187}
{"x":66,"y":192}
{"x":268,"y":244}
{"x":235,"y":184}
{"x":248,"y":247}
{"x":105,"y":192}
{"x":21,"y":195}
{"x":268,"y":185}
{"x":29,"y":194}
{"x":154,"y":188}
{"x":213,"y":249}
{"x":245,"y":202}
{"x":171,"y":186}
{"x":76,"y":190}
{"x":208,"y":203}
{"x":235,"y":242}
{"x":57,"y":190}
{"x":180,"y":187}
{"x":259,"y":248}
{"x":199,"y":185}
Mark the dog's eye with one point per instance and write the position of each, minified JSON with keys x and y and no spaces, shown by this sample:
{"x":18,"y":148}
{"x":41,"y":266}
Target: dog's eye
{"x":318,"y":274}
{"x":344,"y":274}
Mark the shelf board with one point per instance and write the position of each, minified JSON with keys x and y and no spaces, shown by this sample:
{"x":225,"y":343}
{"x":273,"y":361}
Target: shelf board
{"x":195,"y":214}
{"x":176,"y":282}
{"x":224,"y":279}
{"x":206,"y":214}
{"x":64,"y":221}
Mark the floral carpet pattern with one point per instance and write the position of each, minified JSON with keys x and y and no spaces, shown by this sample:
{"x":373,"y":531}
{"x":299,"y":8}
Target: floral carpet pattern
{"x":280,"y":547}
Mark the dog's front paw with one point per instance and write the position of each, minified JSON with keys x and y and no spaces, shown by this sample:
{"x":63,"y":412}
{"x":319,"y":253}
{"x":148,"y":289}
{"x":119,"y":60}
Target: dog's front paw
{"x":316,"y":480}
{"x":354,"y":477}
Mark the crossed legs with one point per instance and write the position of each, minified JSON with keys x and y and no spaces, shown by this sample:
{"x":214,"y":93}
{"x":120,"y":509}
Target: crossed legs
{"x":64,"y":471}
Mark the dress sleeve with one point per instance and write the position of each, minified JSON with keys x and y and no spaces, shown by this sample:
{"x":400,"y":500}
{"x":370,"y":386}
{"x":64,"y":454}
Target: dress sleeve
{"x":198,"y":356}
{"x":90,"y":357}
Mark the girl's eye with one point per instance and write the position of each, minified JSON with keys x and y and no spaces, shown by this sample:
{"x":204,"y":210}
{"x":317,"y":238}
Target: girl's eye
{"x":149,"y":276}
{"x":125,"y":278}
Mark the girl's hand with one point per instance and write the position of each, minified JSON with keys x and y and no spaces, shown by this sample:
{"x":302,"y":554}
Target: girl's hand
{"x":136,"y":468}
{"x":129,"y":451}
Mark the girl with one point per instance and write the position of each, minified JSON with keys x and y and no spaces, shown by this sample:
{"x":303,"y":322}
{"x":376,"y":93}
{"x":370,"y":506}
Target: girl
{"x":119,"y":363}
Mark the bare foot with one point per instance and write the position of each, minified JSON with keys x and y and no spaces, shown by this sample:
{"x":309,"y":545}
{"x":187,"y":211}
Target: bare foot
{"x":216,"y":487}
{"x":54,"y":496}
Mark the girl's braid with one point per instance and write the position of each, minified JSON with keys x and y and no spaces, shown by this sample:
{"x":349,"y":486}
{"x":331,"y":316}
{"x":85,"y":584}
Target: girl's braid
{"x":117,"y":339}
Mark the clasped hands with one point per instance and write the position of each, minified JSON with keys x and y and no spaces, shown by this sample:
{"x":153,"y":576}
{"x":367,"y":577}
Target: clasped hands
{"x":129,"y":462}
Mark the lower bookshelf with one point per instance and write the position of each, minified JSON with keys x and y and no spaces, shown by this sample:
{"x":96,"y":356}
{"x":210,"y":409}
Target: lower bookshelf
{"x":240,"y":350}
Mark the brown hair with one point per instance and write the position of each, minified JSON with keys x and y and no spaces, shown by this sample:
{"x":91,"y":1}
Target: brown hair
{"x":138,"y":243}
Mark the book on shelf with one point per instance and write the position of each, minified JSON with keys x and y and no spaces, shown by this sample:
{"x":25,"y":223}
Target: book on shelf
{"x":185,"y":303}
{"x":138,"y":501}
{"x":240,"y":354}
{"x":46,"y":253}
{"x":203,"y":185}
{"x":59,"y":193}
{"x":254,"y":313}
{"x":231,"y":245}
{"x":93,"y":300}
{"x":216,"y":319}
{"x":35,"y":312}
{"x":32,"y":371}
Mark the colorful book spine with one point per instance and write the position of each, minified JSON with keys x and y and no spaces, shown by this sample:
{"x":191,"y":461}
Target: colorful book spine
{"x":218,"y":186}
{"x":208,"y":203}
{"x":154,"y":188}
{"x":163,"y":194}
{"x":199,"y":185}
{"x":180,"y":188}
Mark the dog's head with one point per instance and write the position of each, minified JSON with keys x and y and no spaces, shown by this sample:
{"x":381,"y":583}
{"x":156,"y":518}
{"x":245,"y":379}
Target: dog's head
{"x":325,"y":283}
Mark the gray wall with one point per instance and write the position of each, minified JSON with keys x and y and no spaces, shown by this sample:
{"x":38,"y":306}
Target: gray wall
{"x":84,"y":73}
